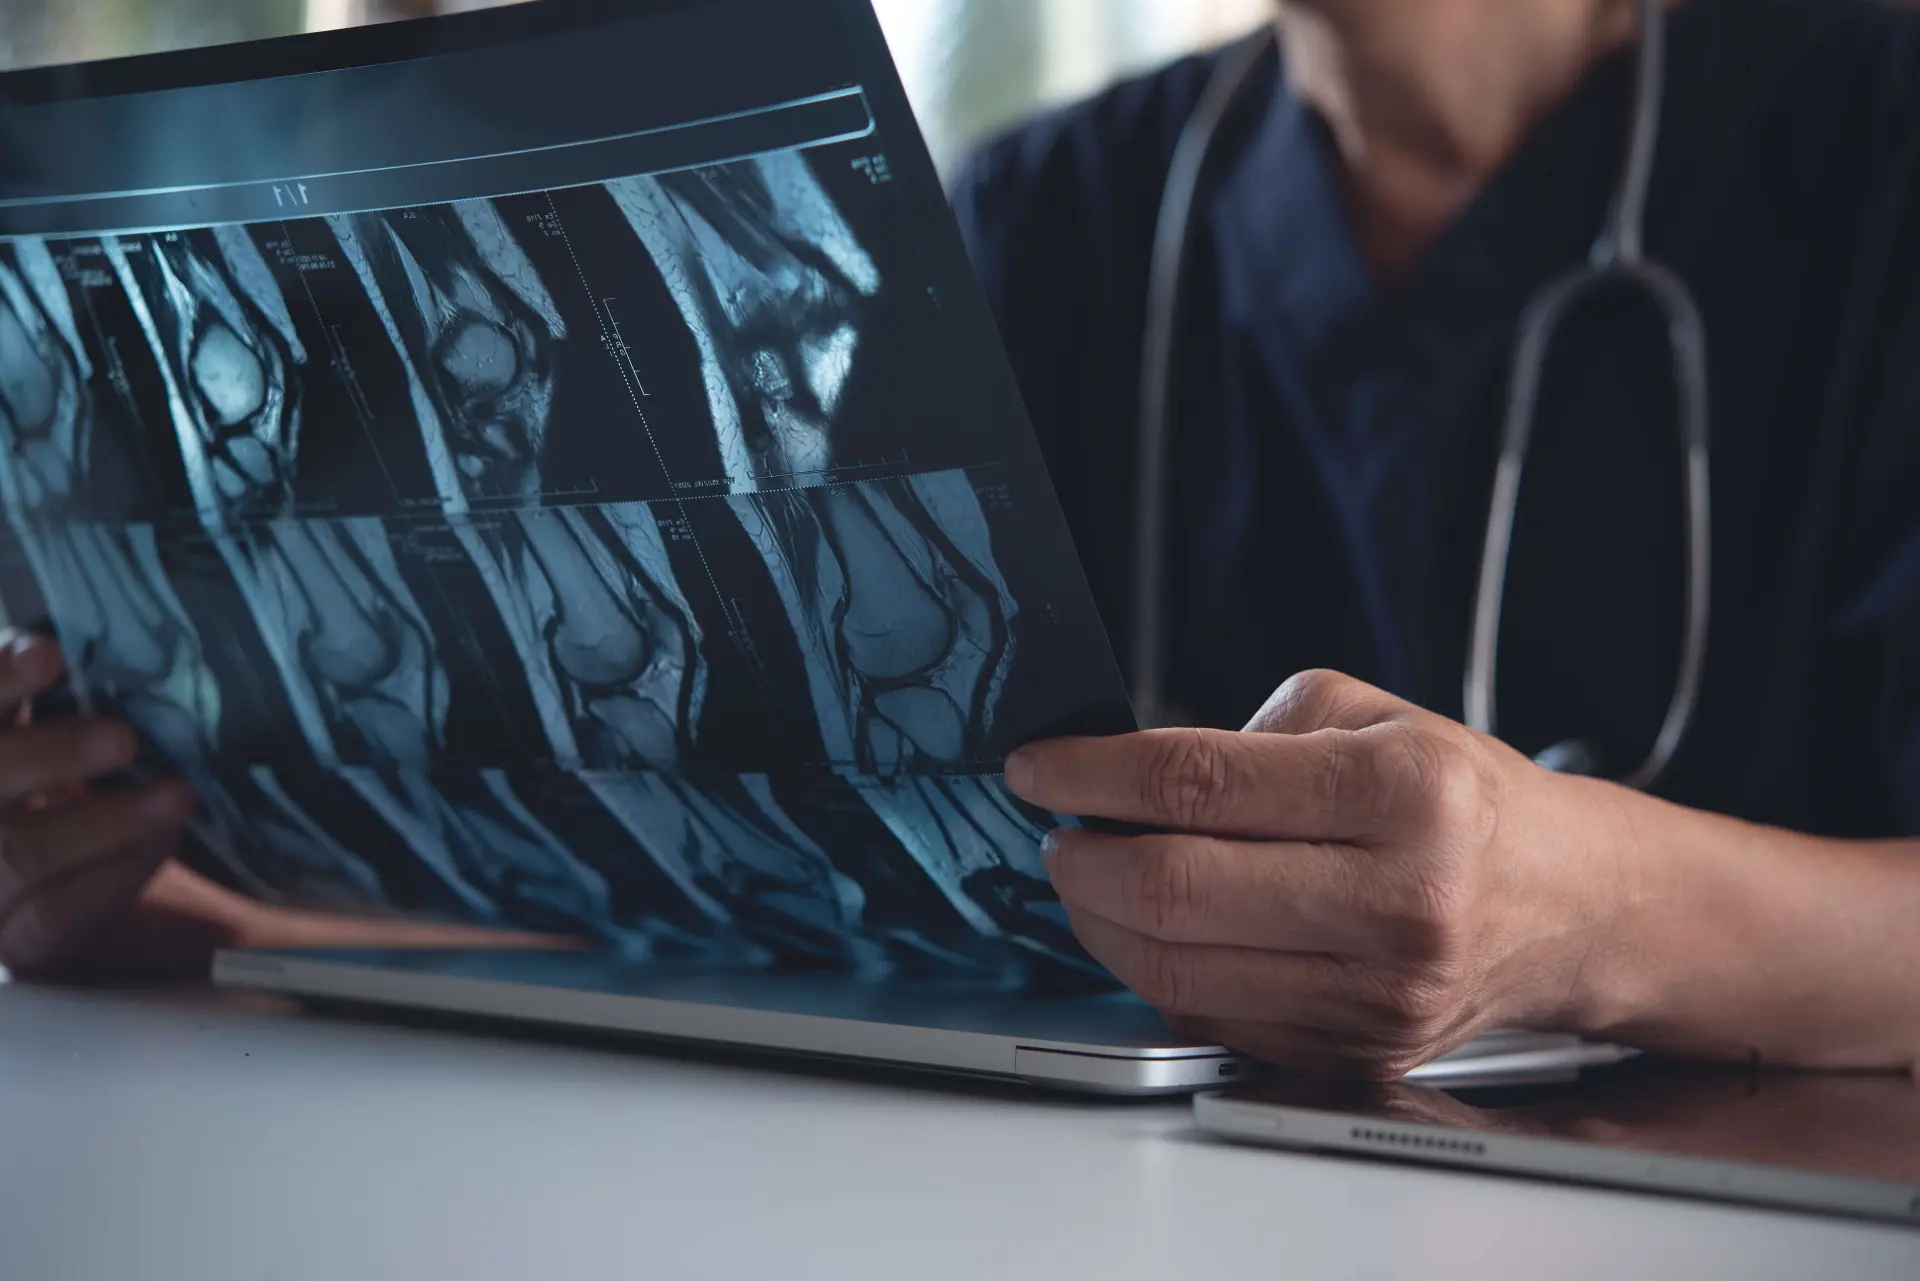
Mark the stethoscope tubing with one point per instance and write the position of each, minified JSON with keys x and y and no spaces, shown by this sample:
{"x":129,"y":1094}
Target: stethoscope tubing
{"x":1686,"y":335}
{"x":1166,"y":279}
{"x":1618,"y":259}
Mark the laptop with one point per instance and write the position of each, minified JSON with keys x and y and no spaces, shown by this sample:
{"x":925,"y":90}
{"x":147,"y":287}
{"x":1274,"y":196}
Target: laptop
{"x":553,"y":468}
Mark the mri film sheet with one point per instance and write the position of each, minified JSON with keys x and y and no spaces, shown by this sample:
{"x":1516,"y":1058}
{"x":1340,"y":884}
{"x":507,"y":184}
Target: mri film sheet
{"x":624,"y":559}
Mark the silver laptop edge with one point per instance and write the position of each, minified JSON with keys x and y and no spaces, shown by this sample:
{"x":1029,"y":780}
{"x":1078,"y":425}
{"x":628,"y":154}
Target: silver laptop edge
{"x":1086,"y":1066}
{"x":1076,"y":1066}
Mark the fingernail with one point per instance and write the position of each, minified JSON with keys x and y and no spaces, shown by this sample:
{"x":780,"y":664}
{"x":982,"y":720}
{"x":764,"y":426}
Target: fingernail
{"x":32,"y":657}
{"x":1050,"y":850}
{"x":1020,"y":773}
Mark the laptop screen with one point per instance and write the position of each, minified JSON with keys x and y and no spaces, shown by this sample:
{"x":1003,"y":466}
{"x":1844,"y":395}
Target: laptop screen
{"x":550,"y":468}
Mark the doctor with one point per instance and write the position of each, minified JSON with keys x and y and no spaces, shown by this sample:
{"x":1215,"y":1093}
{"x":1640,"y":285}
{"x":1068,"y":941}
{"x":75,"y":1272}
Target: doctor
{"x":1355,"y":881}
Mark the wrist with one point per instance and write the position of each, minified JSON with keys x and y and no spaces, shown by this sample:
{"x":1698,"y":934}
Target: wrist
{"x":1688,"y":949}
{"x":1691,"y":933}
{"x":1607,"y":947}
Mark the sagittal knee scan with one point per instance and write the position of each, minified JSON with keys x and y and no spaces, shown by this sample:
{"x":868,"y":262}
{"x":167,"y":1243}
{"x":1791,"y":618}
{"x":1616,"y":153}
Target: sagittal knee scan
{"x":591,"y":560}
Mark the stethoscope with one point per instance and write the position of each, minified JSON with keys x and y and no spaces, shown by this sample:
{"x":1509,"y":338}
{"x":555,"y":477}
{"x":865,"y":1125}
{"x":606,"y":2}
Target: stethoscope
{"x":1618,"y":257}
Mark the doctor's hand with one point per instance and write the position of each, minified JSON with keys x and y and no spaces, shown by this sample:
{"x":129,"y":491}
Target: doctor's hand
{"x":76,"y":855}
{"x":1352,"y":885}
{"x":88,"y":886}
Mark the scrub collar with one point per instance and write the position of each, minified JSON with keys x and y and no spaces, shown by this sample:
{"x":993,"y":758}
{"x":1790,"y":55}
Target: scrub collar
{"x":1291,"y":260}
{"x":1288,"y":256}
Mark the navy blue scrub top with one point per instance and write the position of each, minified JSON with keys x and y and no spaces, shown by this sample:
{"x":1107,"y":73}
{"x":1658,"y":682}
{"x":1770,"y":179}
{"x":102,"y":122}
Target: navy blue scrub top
{"x":1334,"y":434}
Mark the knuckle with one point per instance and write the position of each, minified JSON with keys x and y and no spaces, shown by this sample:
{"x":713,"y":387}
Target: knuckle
{"x":1381,"y":1059}
{"x":1407,"y":1007}
{"x":1187,"y":778}
{"x":1427,"y":915}
{"x":1345,"y":771}
{"x":1164,"y":978}
{"x":1171,"y":894}
{"x":1384,"y":1065}
{"x":1303,"y":703}
{"x":1317,"y":685}
{"x":1374,"y":1056}
{"x":1435,"y":780}
{"x":1417,"y":1008}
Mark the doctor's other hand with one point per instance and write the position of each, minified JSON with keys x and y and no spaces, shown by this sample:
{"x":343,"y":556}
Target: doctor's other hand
{"x":89,"y":889}
{"x":76,"y":853}
{"x":1350,"y":886}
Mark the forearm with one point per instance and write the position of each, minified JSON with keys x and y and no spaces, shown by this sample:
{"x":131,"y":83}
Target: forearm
{"x":1736,"y":941}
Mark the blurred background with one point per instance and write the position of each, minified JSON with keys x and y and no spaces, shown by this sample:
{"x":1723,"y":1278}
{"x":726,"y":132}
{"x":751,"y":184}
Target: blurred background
{"x":971,"y":67}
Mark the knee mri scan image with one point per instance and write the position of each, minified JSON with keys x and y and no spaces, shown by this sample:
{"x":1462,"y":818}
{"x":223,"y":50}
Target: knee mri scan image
{"x":621,"y":561}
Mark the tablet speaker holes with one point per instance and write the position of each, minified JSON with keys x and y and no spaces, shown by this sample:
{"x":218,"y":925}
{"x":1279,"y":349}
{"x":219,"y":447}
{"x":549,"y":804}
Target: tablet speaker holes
{"x":1422,"y":1142}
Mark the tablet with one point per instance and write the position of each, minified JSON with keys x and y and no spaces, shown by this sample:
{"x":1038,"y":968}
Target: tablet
{"x":1844,"y":1145}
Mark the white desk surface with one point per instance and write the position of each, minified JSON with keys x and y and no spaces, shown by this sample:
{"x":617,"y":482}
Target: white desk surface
{"x":189,"y":1138}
